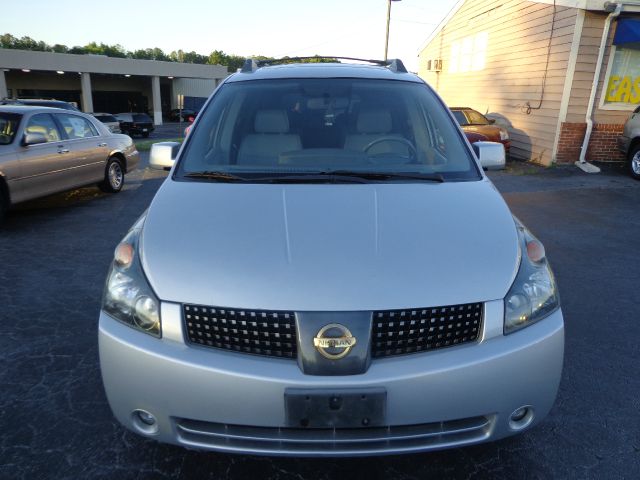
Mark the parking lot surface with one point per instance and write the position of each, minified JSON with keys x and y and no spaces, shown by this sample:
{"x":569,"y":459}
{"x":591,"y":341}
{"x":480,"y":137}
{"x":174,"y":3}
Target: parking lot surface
{"x":56,"y":423}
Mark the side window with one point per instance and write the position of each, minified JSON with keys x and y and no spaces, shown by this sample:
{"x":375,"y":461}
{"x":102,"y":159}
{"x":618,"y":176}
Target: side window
{"x":76,"y":127}
{"x":43,"y":123}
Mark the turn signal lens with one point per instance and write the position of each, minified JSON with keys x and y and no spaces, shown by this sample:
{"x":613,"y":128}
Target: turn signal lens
{"x":124,"y":255}
{"x":535,"y":251}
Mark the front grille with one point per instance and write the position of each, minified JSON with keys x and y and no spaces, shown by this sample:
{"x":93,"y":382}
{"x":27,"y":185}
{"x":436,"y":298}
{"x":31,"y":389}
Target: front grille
{"x":333,"y":441}
{"x":260,"y":332}
{"x":398,"y":332}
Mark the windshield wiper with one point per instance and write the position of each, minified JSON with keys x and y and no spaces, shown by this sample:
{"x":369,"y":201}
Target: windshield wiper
{"x":218,"y":176}
{"x":329,"y":176}
{"x":427,"y":177}
{"x":321,"y":177}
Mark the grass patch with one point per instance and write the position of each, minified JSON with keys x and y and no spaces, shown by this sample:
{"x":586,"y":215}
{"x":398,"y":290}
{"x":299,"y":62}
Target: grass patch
{"x":145,"y":145}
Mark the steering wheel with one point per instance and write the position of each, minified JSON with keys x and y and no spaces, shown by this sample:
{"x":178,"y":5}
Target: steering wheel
{"x":413,"y":153}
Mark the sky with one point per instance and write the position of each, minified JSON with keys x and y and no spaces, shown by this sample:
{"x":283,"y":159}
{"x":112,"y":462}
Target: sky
{"x":273,"y":28}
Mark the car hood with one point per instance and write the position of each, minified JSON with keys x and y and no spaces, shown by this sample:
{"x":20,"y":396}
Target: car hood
{"x":329,"y":247}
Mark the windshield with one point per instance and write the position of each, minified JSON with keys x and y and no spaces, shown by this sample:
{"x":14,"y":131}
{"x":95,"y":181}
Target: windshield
{"x":477,"y":118}
{"x":462,"y":120}
{"x":263,"y":128}
{"x":107,"y":118}
{"x":8,"y":127}
{"x":141,"y":117}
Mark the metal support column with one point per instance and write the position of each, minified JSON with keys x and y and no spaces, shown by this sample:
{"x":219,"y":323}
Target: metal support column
{"x":3,"y":85}
{"x":87,"y":97}
{"x":157,"y":105}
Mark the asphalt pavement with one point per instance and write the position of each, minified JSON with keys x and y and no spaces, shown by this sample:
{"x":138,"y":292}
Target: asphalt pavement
{"x":55,"y":421}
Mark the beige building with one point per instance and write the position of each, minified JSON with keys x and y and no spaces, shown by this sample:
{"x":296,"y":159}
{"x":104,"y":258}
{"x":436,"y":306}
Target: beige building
{"x":552,"y":72}
{"x":103,"y":84}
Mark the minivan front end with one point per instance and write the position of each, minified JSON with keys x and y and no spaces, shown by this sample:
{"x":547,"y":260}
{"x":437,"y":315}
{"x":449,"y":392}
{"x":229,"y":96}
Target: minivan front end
{"x":327,"y":272}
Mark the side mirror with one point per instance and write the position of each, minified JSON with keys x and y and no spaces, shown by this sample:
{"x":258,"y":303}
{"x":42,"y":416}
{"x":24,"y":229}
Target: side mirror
{"x":163,"y":155}
{"x":33,"y":138}
{"x":490,"y":154}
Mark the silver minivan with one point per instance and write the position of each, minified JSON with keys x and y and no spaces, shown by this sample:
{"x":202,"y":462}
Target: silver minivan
{"x":327,"y":271}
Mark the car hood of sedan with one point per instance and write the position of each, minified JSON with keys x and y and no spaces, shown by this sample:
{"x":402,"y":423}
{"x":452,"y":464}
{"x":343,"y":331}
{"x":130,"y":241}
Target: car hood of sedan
{"x":338,"y":247}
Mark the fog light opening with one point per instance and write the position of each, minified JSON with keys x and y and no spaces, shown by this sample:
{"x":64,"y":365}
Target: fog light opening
{"x":144,"y":422}
{"x":521,"y":418}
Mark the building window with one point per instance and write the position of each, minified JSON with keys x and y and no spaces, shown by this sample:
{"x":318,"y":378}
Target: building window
{"x":623,"y":82}
{"x":469,"y":53}
{"x":622,"y":85}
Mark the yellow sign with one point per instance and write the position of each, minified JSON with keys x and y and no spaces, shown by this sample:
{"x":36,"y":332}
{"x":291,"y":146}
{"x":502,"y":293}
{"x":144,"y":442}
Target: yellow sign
{"x":623,"y":89}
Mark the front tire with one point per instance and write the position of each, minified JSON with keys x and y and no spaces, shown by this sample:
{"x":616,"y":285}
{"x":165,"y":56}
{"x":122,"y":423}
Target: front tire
{"x":113,"y":176}
{"x":4,"y":206}
{"x":634,"y":162}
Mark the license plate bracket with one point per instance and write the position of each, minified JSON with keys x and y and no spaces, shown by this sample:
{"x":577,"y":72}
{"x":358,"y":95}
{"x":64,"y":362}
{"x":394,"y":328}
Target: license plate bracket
{"x":336,"y":408}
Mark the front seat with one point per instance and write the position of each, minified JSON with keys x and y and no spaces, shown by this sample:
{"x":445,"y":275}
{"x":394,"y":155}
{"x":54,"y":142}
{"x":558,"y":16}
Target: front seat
{"x":271,"y":138}
{"x":374,"y":124}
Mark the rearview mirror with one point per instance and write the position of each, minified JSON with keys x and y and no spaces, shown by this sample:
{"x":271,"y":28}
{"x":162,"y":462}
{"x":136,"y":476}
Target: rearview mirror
{"x":34,"y":138}
{"x":490,"y":154}
{"x":163,"y":155}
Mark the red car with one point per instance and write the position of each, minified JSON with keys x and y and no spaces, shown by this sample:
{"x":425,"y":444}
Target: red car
{"x":476,"y":126}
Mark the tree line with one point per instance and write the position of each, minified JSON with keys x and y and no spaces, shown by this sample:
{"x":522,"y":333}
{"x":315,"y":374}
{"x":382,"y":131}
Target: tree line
{"x":216,"y":57}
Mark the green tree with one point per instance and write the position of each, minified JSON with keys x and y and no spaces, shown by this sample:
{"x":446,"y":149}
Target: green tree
{"x":232,"y":62}
{"x":78,"y":50}
{"x":7,"y":41}
{"x":176,"y":56}
{"x":58,"y":48}
{"x":216,"y":57}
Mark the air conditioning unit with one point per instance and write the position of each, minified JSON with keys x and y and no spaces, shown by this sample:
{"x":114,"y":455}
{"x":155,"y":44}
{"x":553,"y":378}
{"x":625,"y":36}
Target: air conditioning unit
{"x":434,"y":65}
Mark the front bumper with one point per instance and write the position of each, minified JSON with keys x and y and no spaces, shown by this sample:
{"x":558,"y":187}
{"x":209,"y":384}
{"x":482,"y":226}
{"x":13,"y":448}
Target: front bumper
{"x":133,"y":159}
{"x":218,"y":400}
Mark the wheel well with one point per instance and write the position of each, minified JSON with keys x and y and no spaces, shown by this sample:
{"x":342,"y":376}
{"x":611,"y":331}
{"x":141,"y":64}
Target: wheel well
{"x":122,"y":158}
{"x":634,"y":143}
{"x":4,"y":190}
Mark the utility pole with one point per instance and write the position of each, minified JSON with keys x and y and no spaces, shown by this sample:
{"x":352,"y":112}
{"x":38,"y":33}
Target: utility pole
{"x":386,"y":43}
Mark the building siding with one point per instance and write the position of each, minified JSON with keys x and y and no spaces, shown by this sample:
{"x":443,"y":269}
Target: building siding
{"x":509,"y":86}
{"x":585,"y":69}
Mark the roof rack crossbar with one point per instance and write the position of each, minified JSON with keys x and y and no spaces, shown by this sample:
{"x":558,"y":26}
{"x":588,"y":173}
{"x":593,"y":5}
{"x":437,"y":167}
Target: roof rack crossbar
{"x":251,"y":65}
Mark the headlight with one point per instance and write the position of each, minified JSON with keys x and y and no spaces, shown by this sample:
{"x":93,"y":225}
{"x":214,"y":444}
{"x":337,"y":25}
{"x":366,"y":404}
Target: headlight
{"x":533,"y":294}
{"x":127,"y":294}
{"x":504,"y":135}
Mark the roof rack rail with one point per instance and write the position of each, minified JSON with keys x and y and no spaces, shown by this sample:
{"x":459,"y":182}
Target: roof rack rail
{"x":251,"y":64}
